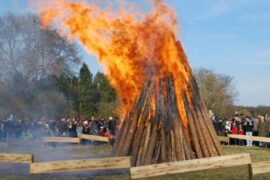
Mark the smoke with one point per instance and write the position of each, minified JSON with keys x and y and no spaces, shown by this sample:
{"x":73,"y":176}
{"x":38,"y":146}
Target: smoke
{"x":60,"y":153}
{"x":32,"y":61}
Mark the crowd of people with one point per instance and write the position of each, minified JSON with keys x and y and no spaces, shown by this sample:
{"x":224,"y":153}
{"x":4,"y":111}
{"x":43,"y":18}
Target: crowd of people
{"x":35,"y":129}
{"x":243,"y":125}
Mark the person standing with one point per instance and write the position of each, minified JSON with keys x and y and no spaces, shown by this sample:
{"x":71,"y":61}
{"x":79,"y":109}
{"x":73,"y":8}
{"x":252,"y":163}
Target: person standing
{"x":255,"y":129}
{"x":241,"y":132}
{"x":249,"y":129}
{"x":263,"y":128}
{"x":235,"y":130}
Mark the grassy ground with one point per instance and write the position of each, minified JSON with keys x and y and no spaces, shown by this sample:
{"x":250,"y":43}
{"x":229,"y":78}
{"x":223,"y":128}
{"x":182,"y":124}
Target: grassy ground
{"x":15,"y":172}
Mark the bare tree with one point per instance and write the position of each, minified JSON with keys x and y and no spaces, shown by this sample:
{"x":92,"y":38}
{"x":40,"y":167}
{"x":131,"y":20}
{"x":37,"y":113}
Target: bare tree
{"x":217,"y":90}
{"x":29,"y":54}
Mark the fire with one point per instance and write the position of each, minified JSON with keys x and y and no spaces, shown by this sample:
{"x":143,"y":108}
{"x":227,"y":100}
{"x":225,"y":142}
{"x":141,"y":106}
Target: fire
{"x":132,"y":48}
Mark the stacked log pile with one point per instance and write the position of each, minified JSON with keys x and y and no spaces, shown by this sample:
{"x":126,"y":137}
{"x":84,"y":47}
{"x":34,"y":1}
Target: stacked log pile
{"x":154,"y":131}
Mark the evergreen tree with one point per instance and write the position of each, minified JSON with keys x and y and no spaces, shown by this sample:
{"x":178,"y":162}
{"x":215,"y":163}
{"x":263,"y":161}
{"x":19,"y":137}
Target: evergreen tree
{"x":70,"y":87}
{"x":89,"y":96}
{"x":107,"y":93}
{"x":108,"y":98}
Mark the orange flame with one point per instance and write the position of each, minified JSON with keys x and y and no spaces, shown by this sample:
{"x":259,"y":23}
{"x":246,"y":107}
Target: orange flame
{"x":131,"y":48}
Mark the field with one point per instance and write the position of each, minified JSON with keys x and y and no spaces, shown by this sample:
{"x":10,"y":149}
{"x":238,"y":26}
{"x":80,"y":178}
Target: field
{"x":18,"y":171}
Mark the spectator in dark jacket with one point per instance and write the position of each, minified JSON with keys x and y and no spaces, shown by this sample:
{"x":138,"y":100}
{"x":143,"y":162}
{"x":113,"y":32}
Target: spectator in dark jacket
{"x":249,"y":129}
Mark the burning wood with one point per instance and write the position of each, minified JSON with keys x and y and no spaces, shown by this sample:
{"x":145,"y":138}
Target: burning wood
{"x":163,"y":115}
{"x":153,"y":131}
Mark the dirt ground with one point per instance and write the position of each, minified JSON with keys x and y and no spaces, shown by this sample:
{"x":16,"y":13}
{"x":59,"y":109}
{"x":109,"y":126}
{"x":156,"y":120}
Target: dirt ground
{"x":71,"y":152}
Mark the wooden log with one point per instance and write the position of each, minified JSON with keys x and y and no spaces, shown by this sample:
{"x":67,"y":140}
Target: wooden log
{"x":179,"y":151}
{"x":139,"y":157}
{"x":146,"y":142}
{"x":163,"y":145}
{"x":174,"y":112}
{"x":209,"y":142}
{"x":117,"y":148}
{"x":173,"y":147}
{"x":118,"y":136}
{"x":197,"y":105}
{"x":134,"y":121}
{"x":224,"y":139}
{"x":94,"y":137}
{"x":61,"y":139}
{"x":155,"y":123}
{"x":209,"y":124}
{"x":168,"y":146}
{"x":151,"y":145}
{"x":194,"y":135}
{"x":186,"y":150}
{"x":207,"y":119}
{"x":190,"y":165}
{"x":253,"y":138}
{"x":80,"y":165}
{"x":201,"y":136}
{"x":157,"y":151}
{"x":140,"y":129}
{"x":212,"y":131}
{"x":174,"y":118}
{"x":122,"y":134}
{"x":16,"y":158}
{"x":199,"y":123}
{"x":261,"y":167}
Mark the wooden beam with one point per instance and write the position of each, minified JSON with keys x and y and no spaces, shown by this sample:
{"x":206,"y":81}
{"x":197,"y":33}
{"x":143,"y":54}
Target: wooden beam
{"x":190,"y":165}
{"x":261,"y":167}
{"x":253,"y":138}
{"x":61,"y":139}
{"x":80,"y":165}
{"x":224,"y":139}
{"x":16,"y":158}
{"x":94,"y":138}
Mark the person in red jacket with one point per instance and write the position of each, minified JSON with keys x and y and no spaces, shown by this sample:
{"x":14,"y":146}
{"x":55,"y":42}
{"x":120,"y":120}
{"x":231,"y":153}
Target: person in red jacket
{"x":235,"y":130}
{"x":241,"y":132}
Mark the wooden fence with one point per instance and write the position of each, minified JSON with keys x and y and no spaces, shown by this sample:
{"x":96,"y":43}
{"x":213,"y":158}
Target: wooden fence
{"x":80,"y":165}
{"x":61,"y":140}
{"x":243,"y":137}
{"x":224,"y":139}
{"x":253,"y":138}
{"x":146,"y":171}
{"x":261,"y":167}
{"x":191,"y":165}
{"x":16,"y":158}
{"x":75,"y":140}
{"x":94,"y":138}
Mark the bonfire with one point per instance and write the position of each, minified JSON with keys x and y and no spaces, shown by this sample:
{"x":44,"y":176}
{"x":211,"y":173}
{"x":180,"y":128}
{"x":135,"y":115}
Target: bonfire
{"x":163,"y":116}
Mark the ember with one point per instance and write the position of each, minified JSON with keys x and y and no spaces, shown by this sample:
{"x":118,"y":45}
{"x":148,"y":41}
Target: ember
{"x":163,"y":115}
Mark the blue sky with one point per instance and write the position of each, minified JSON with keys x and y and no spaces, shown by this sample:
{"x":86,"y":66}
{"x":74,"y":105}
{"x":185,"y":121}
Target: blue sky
{"x":228,"y":36}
